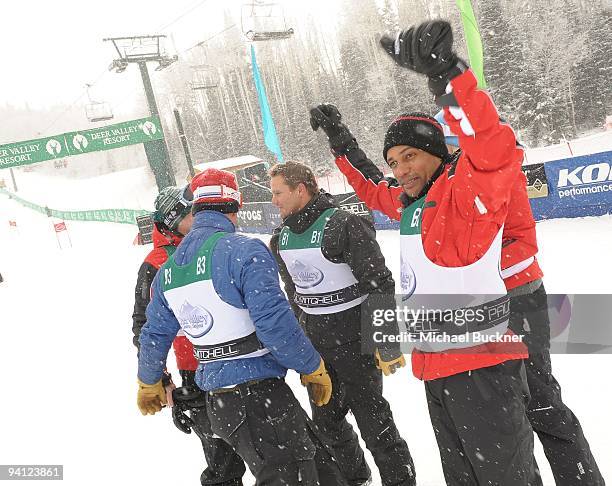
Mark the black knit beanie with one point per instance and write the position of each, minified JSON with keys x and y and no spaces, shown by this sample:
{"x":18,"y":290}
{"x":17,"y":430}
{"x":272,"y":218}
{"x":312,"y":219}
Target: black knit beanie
{"x":416,"y":130}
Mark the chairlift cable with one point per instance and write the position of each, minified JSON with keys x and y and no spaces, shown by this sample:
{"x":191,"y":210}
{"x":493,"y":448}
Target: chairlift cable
{"x":201,"y":43}
{"x":70,"y":106}
{"x":188,"y":11}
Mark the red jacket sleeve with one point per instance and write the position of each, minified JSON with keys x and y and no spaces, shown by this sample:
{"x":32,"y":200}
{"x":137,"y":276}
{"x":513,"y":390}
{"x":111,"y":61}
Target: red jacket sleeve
{"x":183,"y":350}
{"x":377,"y":195}
{"x":491,"y":160}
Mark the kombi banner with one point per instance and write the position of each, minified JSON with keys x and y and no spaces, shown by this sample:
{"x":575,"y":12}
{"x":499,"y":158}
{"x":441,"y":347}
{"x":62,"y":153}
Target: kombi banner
{"x":577,"y":186}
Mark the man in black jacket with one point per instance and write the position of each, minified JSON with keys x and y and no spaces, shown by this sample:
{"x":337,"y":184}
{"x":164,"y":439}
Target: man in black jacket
{"x":335,"y":276}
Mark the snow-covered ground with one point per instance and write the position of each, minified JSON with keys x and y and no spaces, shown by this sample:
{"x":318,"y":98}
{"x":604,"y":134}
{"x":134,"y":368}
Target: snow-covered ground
{"x":69,"y":390}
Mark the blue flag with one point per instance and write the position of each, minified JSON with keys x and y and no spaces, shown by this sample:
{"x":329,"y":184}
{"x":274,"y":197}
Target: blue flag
{"x":266,"y":115}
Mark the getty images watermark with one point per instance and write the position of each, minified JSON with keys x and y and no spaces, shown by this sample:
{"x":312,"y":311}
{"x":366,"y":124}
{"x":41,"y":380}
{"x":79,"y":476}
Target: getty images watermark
{"x":452,"y":326}
{"x":561,"y":323}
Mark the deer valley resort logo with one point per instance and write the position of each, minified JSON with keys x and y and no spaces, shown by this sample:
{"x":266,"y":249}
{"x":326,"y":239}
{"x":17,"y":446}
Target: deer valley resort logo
{"x":195,"y":320}
{"x":407,"y":279}
{"x":304,"y":275}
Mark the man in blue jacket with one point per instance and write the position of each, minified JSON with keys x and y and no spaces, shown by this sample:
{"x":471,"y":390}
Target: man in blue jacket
{"x":222,"y":290}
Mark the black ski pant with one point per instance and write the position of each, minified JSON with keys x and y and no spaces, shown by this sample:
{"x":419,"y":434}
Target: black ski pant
{"x":481,"y":427}
{"x":357,"y":387}
{"x":558,"y":429}
{"x":267,"y":427}
{"x":224,"y":466}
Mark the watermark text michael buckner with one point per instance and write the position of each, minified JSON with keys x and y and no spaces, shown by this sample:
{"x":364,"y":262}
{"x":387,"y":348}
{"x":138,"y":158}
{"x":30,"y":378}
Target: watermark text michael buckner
{"x":413,"y":337}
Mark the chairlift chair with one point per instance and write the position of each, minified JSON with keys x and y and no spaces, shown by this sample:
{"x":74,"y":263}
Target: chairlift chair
{"x":264,"y":21}
{"x":205,"y":76}
{"x":97,"y":111}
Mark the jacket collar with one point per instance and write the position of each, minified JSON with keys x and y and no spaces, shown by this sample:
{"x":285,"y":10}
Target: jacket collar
{"x":302,"y":220}
{"x":447,"y":161}
{"x":164,"y":238}
{"x":212,"y":220}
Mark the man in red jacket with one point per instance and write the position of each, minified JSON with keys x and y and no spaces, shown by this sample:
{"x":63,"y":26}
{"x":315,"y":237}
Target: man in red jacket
{"x":558,"y":429}
{"x":172,"y":220}
{"x":452,"y":216}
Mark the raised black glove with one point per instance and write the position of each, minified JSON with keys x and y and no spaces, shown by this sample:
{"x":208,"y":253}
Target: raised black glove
{"x":328,"y":117}
{"x":427,"y":49}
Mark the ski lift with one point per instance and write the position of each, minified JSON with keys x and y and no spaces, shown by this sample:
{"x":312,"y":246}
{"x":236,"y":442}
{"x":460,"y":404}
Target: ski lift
{"x":97,"y":111}
{"x":205,"y":76}
{"x":263,"y":21}
{"x":193,"y":99}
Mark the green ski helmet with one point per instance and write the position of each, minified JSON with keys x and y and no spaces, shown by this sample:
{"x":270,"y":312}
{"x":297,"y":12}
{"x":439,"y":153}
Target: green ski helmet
{"x":172,"y":204}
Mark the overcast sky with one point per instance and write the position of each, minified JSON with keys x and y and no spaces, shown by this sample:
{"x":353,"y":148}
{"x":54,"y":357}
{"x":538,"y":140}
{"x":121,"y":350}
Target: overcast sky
{"x":51,"y":49}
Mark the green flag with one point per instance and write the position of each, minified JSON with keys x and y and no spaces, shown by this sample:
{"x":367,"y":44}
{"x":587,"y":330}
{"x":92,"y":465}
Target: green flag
{"x":473,"y":41}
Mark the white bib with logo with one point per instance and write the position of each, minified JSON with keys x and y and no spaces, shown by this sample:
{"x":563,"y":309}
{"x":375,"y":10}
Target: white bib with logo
{"x":208,"y":322}
{"x":322,"y":286}
{"x":475,"y":286}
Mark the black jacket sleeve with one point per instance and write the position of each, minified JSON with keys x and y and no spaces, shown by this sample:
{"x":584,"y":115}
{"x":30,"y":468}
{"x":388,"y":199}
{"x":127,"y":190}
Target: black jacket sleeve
{"x":352,"y":239}
{"x":142,"y":296}
{"x":284,"y":273}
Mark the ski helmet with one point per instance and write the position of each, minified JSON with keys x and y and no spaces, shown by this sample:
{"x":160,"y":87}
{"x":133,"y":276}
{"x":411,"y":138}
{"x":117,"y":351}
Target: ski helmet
{"x":172,"y":204}
{"x":217,"y":190}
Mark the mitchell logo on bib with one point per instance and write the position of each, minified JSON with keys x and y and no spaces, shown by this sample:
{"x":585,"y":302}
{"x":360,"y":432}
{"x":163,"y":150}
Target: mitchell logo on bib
{"x":305,"y":276}
{"x":195,"y":320}
{"x":407,"y":280}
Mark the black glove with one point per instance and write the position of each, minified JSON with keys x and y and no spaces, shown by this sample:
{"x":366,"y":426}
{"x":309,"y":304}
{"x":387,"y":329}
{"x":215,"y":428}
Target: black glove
{"x":181,"y":419}
{"x":166,"y":378}
{"x":427,"y":49}
{"x":188,"y":378}
{"x":328,"y":117}
{"x":186,"y":398}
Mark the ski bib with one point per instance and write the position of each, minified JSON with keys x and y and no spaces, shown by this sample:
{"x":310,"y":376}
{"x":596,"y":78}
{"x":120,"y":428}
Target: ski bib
{"x":170,"y":249}
{"x":321,"y":286}
{"x":451,"y":307}
{"x":217,"y":330}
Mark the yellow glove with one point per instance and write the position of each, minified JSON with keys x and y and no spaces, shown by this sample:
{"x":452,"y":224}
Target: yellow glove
{"x":389,"y":367}
{"x":151,"y":397}
{"x":320,"y":385}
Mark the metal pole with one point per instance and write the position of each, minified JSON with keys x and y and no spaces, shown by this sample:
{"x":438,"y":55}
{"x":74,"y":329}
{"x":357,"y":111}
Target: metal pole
{"x":14,"y":181}
{"x":146,"y":80}
{"x":156,"y":150}
{"x":179,"y":125}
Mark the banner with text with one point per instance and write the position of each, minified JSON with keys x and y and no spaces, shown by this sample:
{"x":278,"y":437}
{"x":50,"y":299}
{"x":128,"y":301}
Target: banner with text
{"x":75,"y":143}
{"x":577,"y":186}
